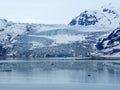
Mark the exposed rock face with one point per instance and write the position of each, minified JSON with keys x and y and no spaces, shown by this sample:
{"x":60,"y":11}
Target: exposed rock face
{"x":101,"y":17}
{"x":85,"y":19}
{"x":2,"y":51}
{"x":111,"y":44}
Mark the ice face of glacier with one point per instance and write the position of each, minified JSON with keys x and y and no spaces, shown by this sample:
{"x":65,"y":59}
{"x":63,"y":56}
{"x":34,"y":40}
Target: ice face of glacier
{"x":2,"y":51}
{"x":39,"y":40}
{"x":110,"y":45}
{"x":105,"y":16}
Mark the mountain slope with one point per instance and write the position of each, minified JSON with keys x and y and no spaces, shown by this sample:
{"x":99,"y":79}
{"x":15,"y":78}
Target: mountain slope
{"x":110,"y":45}
{"x":105,"y":16}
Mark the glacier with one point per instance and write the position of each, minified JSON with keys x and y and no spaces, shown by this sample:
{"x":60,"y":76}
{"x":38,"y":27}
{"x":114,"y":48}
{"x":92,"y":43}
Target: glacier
{"x":40,"y":40}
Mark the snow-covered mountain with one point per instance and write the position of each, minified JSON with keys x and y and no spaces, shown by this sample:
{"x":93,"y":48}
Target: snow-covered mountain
{"x":105,"y":16}
{"x":33,"y":40}
{"x":110,"y":44}
{"x":40,"y":40}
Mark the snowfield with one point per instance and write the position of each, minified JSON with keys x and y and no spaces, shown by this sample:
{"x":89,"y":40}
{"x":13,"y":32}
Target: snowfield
{"x":104,"y":16}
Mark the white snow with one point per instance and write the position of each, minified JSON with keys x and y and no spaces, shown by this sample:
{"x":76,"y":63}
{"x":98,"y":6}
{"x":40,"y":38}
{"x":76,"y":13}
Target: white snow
{"x":36,"y":45}
{"x":13,"y":31}
{"x":104,"y":18}
{"x":68,"y":39}
{"x":63,"y":39}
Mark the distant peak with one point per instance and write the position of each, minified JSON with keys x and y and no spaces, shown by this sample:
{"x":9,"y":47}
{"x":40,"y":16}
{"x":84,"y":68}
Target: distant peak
{"x":3,"y":20}
{"x":105,"y":16}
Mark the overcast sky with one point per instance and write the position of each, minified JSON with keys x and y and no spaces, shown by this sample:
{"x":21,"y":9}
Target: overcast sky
{"x":48,"y":11}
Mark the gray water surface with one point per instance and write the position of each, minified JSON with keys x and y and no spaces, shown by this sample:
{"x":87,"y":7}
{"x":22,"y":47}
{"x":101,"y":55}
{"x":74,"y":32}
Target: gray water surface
{"x":40,"y":74}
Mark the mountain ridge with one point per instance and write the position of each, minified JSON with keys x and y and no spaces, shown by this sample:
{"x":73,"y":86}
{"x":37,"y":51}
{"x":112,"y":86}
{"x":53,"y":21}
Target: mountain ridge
{"x":100,"y":17}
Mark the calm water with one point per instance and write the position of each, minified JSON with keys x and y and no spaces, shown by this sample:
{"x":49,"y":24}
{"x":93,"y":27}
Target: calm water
{"x":104,"y":74}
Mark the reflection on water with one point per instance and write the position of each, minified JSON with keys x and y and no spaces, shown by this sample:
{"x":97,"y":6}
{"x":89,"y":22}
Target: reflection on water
{"x":59,"y":71}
